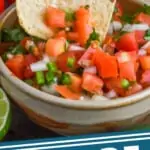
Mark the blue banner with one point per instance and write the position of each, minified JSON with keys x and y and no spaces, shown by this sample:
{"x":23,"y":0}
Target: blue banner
{"x":111,"y":141}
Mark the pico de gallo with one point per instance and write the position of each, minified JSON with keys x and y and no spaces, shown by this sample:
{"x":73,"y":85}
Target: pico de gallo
{"x":74,"y":63}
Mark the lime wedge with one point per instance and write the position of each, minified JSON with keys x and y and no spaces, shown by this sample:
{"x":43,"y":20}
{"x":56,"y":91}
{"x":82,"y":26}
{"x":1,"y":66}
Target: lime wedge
{"x":5,"y":114}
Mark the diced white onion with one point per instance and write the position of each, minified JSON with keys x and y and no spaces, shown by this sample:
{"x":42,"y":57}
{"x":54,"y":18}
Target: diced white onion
{"x":67,"y":29}
{"x":116,"y":25}
{"x":110,"y":30}
{"x":39,"y":66}
{"x":147,"y":45}
{"x":74,"y":47}
{"x":91,"y":69}
{"x":10,"y":56}
{"x":142,"y":27}
{"x":82,"y":98}
{"x":111,"y":94}
{"x":46,"y":59}
{"x":127,"y":28}
{"x":134,"y":27}
{"x":142,"y":52}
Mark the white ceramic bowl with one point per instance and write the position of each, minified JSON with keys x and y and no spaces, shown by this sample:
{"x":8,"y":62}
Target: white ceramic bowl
{"x":70,"y":117}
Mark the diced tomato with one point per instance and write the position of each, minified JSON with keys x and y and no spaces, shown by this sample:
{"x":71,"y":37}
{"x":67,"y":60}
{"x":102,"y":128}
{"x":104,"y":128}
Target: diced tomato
{"x":134,"y":89}
{"x":140,"y":37}
{"x":123,"y":57}
{"x":24,"y":41}
{"x":145,"y":62}
{"x":143,"y":18}
{"x":146,"y":77}
{"x":55,"y":17}
{"x":82,"y":25}
{"x":41,"y":47}
{"x":137,"y":65}
{"x":55,"y":47}
{"x":109,"y":45}
{"x":67,"y":93}
{"x":63,"y":59}
{"x":127,"y":42}
{"x":11,"y":1}
{"x":73,"y":36}
{"x":92,"y":83}
{"x":86,"y":59}
{"x":76,"y":82}
{"x":127,"y":71}
{"x":61,"y":34}
{"x":16,"y":65}
{"x":82,"y":13}
{"x":109,"y":41}
{"x":148,"y":50}
{"x":29,"y":59}
{"x":106,"y":65}
{"x":127,"y":65}
{"x":115,"y":84}
{"x":119,"y":12}
{"x":2,"y":6}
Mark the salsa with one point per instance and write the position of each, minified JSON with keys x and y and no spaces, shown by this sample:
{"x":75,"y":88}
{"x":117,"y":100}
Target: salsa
{"x":74,"y":63}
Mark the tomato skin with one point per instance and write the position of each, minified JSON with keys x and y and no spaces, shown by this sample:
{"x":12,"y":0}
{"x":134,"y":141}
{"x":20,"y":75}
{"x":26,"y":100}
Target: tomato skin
{"x":29,"y":59}
{"x":82,"y":26}
{"x":87,"y":59}
{"x":127,"y":42}
{"x":92,"y":83}
{"x":106,"y":65}
{"x":140,"y":37}
{"x":63,"y":58}
{"x":16,"y":65}
{"x":55,"y":47}
{"x":55,"y":18}
{"x":145,"y":62}
{"x":143,"y":18}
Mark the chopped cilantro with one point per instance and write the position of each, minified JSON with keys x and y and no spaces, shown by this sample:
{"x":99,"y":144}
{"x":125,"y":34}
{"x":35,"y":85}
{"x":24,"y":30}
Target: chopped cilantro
{"x":70,"y":15}
{"x":17,"y":50}
{"x":145,"y":9}
{"x":12,"y":35}
{"x":127,"y":18}
{"x":94,"y":36}
{"x":147,"y":35}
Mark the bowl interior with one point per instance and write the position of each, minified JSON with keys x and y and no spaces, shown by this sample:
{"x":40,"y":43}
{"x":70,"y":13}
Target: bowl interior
{"x":99,"y":102}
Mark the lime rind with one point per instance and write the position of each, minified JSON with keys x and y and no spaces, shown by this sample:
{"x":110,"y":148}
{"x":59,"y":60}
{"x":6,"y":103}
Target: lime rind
{"x":5,"y":120}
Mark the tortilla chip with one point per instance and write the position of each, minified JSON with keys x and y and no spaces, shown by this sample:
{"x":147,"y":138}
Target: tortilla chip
{"x":31,"y":14}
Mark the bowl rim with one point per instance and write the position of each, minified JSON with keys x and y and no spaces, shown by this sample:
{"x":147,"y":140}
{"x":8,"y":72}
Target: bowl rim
{"x":99,"y":102}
